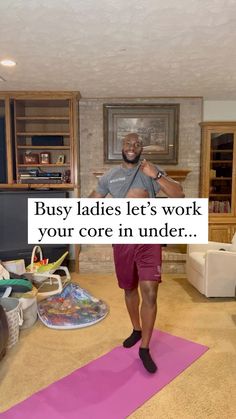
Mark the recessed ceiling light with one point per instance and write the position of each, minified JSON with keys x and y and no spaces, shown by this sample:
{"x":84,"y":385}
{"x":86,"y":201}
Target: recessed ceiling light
{"x":8,"y":63}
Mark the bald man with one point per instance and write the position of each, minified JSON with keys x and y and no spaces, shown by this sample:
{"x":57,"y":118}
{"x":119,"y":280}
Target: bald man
{"x":138,"y":266}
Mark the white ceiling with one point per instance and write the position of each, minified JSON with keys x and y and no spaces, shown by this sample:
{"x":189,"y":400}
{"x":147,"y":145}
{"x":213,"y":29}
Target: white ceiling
{"x":121,"y":48}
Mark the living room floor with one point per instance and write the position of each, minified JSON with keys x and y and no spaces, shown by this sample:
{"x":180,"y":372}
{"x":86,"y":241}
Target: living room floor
{"x":206,"y":389}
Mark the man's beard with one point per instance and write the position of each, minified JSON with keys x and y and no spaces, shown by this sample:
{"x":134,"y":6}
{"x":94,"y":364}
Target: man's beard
{"x":134,"y":161}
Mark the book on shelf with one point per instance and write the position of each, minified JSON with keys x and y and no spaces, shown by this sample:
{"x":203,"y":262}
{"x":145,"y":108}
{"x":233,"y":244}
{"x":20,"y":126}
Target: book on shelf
{"x":219,"y":207}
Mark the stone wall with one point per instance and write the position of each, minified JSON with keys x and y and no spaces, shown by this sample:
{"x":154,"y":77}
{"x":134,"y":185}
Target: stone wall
{"x":92,"y":152}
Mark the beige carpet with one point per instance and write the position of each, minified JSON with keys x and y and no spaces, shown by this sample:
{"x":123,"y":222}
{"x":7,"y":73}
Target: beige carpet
{"x":207,"y":389}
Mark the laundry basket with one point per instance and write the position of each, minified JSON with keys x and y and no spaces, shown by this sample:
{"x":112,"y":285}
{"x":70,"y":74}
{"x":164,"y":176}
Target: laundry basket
{"x":4,"y":333}
{"x":14,"y":315}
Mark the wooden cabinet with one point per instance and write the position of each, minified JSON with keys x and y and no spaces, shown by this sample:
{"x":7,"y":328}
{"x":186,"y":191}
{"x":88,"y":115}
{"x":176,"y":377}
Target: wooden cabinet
{"x":41,"y":139}
{"x":3,"y":157}
{"x":218,"y":177}
{"x":6,"y":149}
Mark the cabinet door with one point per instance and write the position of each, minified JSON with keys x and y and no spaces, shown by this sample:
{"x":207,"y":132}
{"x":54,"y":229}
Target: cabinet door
{"x":3,"y":157}
{"x":6,"y":154}
{"x":221,"y":171}
{"x":220,"y":233}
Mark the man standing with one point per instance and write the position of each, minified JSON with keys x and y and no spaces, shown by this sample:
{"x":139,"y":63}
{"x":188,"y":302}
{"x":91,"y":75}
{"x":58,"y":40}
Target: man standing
{"x":138,"y":264}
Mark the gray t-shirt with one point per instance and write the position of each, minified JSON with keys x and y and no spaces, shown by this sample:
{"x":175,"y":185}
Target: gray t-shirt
{"x":116,"y":182}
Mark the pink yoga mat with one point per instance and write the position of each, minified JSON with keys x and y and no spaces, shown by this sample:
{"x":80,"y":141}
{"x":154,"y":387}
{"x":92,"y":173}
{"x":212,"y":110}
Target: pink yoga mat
{"x":112,"y":386}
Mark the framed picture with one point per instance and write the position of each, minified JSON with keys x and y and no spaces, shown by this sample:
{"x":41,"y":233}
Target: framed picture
{"x":156,"y":125}
{"x":60,"y":159}
{"x":31,"y":158}
{"x":45,"y":158}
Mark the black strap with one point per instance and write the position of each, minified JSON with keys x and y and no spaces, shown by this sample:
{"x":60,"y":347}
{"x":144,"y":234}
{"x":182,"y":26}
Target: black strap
{"x":131,"y":182}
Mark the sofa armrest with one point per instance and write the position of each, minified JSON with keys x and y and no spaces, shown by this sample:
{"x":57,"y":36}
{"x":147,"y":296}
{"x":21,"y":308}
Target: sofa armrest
{"x":222,"y":261}
{"x":219,"y":245}
{"x":220,"y":274}
{"x":207,"y":246}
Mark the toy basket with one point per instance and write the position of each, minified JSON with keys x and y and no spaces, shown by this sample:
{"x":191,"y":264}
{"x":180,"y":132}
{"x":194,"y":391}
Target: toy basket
{"x":34,"y":266}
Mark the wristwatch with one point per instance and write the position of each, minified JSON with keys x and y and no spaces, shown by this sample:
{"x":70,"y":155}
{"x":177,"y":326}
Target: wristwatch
{"x":158,"y":176}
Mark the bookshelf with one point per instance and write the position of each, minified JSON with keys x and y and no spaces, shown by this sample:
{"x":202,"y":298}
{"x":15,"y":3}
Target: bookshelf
{"x":41,"y":139}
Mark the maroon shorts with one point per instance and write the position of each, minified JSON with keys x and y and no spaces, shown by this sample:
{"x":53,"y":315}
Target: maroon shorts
{"x":137,"y":262}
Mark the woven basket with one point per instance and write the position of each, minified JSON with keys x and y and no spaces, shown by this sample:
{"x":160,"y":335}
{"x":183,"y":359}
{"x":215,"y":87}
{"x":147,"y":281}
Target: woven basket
{"x":14,"y":315}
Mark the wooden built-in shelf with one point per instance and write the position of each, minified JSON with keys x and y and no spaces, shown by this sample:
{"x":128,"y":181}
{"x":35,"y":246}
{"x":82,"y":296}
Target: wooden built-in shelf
{"x":219,"y":194}
{"x":221,"y":151}
{"x":45,"y":134}
{"x":42,"y":118}
{"x":221,"y":178}
{"x":44,"y":165}
{"x":221,"y":161}
{"x":37,"y":186}
{"x":42,"y":147}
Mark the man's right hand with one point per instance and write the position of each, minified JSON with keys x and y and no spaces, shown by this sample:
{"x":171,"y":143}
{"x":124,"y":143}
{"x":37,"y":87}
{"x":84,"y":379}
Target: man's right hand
{"x":148,"y":168}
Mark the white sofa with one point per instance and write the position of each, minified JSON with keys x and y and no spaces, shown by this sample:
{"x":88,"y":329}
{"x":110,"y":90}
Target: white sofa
{"x":212,"y":271}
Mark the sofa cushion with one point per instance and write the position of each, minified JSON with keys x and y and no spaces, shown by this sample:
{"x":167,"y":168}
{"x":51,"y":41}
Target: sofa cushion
{"x":197,"y":261}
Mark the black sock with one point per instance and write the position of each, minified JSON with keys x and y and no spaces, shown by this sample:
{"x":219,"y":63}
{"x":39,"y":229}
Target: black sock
{"x":147,"y":360}
{"x":132,"y":339}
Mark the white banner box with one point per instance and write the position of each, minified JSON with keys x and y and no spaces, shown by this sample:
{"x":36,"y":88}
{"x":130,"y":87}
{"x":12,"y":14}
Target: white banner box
{"x":117,"y":220}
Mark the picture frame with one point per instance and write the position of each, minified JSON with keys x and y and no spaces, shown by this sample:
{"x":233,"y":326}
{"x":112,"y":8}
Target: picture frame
{"x":30,"y":158}
{"x":60,"y":159}
{"x":156,"y":124}
{"x":45,"y":157}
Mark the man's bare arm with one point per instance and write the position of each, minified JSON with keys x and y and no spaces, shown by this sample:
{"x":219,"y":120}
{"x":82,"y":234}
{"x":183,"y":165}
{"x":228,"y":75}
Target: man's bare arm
{"x":95,"y":194}
{"x":169,"y":186}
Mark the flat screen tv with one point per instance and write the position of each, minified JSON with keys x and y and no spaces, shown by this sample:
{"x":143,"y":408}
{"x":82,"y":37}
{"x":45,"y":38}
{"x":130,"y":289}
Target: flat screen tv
{"x":14,"y":225}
